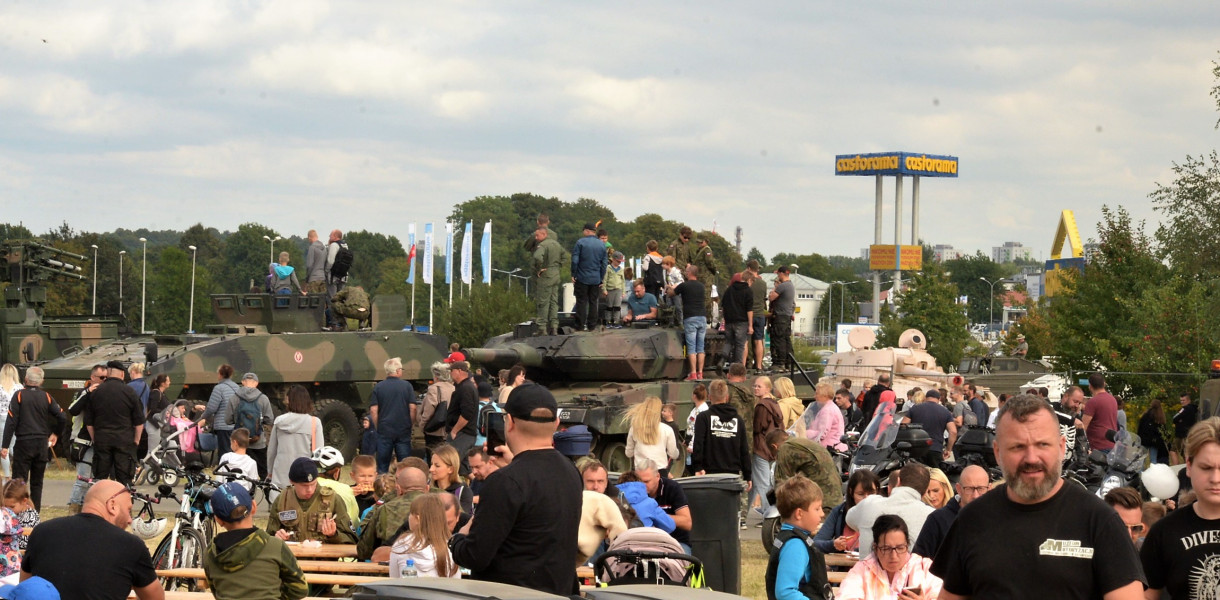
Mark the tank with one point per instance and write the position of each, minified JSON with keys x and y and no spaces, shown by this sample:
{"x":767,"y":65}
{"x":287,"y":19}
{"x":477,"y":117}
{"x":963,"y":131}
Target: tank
{"x":1004,"y":374}
{"x":278,"y":337}
{"x":909,"y":363}
{"x":596,"y":376}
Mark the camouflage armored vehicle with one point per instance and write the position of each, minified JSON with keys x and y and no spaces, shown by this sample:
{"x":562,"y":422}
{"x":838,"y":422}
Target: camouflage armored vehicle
{"x":281,"y":339}
{"x":278,"y":337}
{"x":597,"y":375}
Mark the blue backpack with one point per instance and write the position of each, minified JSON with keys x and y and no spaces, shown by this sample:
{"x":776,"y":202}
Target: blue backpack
{"x":249,"y":416}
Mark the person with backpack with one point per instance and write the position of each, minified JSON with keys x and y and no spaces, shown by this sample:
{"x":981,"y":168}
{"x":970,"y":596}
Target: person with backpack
{"x":982,"y":412}
{"x":653,"y":274}
{"x":795,"y":567}
{"x":250,"y":409}
{"x":435,"y":410}
{"x":339,"y":260}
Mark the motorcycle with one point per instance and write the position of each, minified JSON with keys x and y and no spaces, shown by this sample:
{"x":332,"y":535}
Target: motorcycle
{"x":975,"y":445}
{"x":887,"y":445}
{"x":1124,"y":463}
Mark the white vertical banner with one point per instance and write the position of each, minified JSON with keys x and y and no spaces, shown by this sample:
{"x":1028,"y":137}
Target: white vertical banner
{"x":428,"y":254}
{"x":449,"y":259}
{"x":485,"y":253}
{"x":467,"y":252}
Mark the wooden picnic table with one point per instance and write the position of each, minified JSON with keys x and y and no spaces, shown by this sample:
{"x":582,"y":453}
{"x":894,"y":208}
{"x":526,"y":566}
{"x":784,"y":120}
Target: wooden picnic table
{"x":310,"y":578}
{"x":836,"y":559}
{"x":175,"y":595}
{"x":328,"y":551}
{"x":336,"y":566}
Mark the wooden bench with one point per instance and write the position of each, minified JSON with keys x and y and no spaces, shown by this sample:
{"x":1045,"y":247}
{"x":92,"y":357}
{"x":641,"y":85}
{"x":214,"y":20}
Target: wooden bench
{"x":835,"y":576}
{"x":336,"y":566}
{"x":328,"y":551}
{"x":310,"y":578}
{"x":204,"y":596}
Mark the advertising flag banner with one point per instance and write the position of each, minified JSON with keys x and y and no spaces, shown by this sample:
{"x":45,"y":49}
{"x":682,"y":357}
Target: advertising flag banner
{"x":467,"y":253}
{"x":427,"y":254}
{"x":485,"y":252}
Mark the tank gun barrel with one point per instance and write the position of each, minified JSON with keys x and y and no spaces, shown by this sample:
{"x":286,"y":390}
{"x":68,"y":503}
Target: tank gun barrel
{"x":503,"y":358}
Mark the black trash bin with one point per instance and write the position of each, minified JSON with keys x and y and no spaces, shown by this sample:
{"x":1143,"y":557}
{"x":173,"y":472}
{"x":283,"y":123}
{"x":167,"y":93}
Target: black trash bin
{"x":715,"y":536}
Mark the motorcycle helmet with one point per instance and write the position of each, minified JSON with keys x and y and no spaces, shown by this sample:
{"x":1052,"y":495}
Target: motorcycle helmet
{"x":327,"y":458}
{"x":149,"y":529}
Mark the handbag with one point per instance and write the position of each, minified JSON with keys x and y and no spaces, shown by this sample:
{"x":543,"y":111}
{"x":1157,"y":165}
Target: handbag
{"x":205,"y":441}
{"x":439,"y":418}
{"x":76,"y":451}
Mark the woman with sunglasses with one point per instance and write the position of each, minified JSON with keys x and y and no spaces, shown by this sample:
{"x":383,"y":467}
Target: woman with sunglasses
{"x":892,"y":570}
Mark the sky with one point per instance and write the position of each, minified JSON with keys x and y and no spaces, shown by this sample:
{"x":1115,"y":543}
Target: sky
{"x":373,"y":115}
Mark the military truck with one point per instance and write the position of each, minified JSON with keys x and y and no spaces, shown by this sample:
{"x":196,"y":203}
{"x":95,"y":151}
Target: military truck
{"x":278,"y":337}
{"x":909,"y":364}
{"x":596,"y":376}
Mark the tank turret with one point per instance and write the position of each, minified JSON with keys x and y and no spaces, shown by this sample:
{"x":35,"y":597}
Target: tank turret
{"x":620,"y":355}
{"x":909,"y":363}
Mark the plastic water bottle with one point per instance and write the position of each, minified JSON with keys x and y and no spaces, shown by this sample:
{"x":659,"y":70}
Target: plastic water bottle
{"x":409,"y":570}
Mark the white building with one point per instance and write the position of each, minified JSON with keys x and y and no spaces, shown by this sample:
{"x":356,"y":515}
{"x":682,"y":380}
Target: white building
{"x":1010,"y":252}
{"x":944,"y":252}
{"x":809,"y":294}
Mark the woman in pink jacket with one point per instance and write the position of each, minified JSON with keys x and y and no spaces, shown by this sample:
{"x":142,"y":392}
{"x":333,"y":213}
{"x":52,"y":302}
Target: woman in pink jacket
{"x":892,"y":571}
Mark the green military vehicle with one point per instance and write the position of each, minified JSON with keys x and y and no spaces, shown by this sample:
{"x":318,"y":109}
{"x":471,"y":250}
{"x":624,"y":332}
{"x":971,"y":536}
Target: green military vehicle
{"x":278,"y":337}
{"x":597,"y":375}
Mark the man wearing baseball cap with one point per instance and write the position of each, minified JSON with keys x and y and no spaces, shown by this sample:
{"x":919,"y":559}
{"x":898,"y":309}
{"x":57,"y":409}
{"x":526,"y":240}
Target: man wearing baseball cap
{"x":245,"y":561}
{"x":514,"y":538}
{"x":308,"y":511}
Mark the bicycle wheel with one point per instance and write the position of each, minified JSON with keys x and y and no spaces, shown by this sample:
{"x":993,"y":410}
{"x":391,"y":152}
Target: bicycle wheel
{"x":187,"y":555}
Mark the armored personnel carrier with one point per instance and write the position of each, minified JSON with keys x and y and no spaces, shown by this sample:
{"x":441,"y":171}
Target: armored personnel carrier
{"x":278,"y":337}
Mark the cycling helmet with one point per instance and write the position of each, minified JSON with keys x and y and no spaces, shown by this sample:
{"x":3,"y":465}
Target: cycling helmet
{"x":148,"y":529}
{"x":328,"y":457}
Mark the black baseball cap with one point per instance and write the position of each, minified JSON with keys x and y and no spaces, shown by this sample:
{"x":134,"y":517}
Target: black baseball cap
{"x":114,"y":364}
{"x":529,"y":397}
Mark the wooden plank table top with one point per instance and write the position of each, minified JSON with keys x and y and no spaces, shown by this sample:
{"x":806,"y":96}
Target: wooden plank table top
{"x":310,"y":578}
{"x":324,"y":551}
{"x":840,"y":560}
{"x":335,"y":566}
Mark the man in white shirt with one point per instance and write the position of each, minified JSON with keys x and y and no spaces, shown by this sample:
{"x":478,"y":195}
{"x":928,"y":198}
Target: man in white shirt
{"x":905,"y":500}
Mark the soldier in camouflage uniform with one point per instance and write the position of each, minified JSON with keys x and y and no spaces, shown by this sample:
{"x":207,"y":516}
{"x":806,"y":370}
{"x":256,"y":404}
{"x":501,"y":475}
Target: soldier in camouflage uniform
{"x":352,"y":302}
{"x":701,"y":256}
{"x":308,"y":511}
{"x":380,"y":527}
{"x":797,"y":455}
{"x":740,"y":395}
{"x":544,"y":222}
{"x":549,"y":257}
{"x":680,"y":249}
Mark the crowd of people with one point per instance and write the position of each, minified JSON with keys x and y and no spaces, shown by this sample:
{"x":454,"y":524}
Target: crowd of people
{"x":466,"y":507}
{"x":678,"y":287}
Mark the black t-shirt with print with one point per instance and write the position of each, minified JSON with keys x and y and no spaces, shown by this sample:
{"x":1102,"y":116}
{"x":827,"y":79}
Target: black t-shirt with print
{"x":1181,"y":555}
{"x":1070,"y":546}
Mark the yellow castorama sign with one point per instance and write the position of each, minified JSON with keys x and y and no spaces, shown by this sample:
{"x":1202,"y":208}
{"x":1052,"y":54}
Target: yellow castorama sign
{"x":896,"y":163}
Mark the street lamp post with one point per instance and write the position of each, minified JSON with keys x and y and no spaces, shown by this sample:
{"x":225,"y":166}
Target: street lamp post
{"x":143,"y":282}
{"x":190,"y":321}
{"x":842,"y":293}
{"x":122,"y":253}
{"x":268,"y":238}
{"x":990,"y":302}
{"x":95,"y":279}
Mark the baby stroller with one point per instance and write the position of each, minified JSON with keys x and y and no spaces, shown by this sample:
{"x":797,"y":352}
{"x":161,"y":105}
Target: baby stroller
{"x":177,"y":433}
{"x":647,"y":555}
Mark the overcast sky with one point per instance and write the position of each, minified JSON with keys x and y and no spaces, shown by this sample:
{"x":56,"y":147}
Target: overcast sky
{"x":372,"y":115}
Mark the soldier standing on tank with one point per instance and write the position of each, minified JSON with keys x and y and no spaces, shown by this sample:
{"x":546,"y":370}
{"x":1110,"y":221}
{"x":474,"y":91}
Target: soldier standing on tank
{"x":544,"y":222}
{"x":548,"y":264}
{"x":680,"y":249}
{"x":701,"y":256}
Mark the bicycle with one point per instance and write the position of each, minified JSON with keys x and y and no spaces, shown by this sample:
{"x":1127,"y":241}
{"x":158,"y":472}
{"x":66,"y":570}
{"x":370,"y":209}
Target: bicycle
{"x":263,"y":485}
{"x":185,"y":544}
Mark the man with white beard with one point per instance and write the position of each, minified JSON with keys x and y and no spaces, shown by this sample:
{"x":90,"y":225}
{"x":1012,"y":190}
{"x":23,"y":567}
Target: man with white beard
{"x":1059,"y":541}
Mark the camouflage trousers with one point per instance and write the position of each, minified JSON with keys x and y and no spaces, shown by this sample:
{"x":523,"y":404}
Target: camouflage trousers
{"x":315,"y":287}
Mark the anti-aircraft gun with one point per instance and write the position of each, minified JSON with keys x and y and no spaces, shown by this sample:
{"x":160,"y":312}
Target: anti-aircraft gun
{"x":28,"y":336}
{"x":909,"y":364}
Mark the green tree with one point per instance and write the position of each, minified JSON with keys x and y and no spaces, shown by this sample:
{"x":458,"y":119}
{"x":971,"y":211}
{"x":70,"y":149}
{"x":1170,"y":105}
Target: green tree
{"x":1092,"y":316}
{"x":755,"y":254}
{"x":371,"y":250}
{"x":929,"y":305}
{"x":245,"y":257}
{"x":1189,"y":235}
{"x":648,"y":226}
{"x":485,"y":312}
{"x":967,"y":273}
{"x":169,"y":292}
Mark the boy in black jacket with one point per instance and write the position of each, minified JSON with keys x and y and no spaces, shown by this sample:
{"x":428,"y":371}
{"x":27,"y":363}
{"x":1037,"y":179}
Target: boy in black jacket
{"x":722,"y":441}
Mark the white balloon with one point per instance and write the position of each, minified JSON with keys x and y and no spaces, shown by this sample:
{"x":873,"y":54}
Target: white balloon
{"x":1160,"y":481}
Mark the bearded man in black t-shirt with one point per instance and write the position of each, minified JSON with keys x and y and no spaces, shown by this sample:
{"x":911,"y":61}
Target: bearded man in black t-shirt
{"x":1059,"y":540}
{"x":1181,"y":553}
